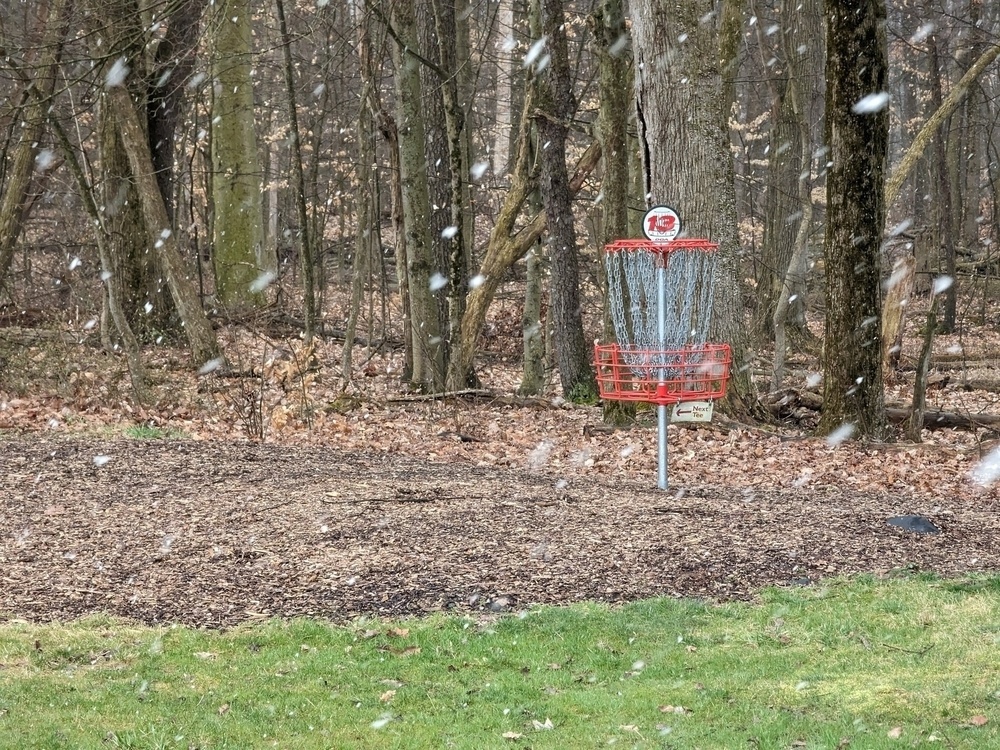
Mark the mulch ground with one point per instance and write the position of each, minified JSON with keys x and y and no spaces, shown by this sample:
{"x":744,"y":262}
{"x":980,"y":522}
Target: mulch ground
{"x":213,"y":534}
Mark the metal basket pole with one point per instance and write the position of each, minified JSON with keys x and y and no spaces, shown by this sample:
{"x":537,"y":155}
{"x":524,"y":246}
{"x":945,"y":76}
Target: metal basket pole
{"x":661,"y":408}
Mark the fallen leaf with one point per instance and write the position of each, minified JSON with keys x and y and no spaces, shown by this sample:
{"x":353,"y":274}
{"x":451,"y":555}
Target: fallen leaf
{"x":223,"y":709}
{"x":547,"y":724}
{"x":399,"y":632}
{"x":512,"y":735}
{"x":673,"y":710}
{"x":409,"y":651}
{"x":895,"y":733}
{"x":387,"y":696}
{"x":205,"y":655}
{"x":629,"y":728}
{"x":978,"y":720}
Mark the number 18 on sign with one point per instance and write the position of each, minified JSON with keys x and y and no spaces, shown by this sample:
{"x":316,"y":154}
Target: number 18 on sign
{"x":661,"y":224}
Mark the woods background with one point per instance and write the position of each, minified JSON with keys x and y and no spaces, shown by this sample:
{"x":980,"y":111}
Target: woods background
{"x":412,"y":176}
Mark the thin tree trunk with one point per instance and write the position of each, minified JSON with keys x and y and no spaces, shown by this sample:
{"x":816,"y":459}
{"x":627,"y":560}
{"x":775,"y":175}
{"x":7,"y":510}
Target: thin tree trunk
{"x":366,"y":201}
{"x":532,"y":331}
{"x":14,"y":202}
{"x":915,"y":424}
{"x":306,"y":247}
{"x":133,"y":355}
{"x":793,"y":281}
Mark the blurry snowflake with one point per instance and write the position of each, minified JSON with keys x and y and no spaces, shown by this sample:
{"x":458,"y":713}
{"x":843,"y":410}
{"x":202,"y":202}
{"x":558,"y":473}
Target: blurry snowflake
{"x":211,"y":366}
{"x":840,"y":434}
{"x":534,"y":52}
{"x":987,"y":471}
{"x":479,"y":169}
{"x":540,"y":455}
{"x":44,"y":160}
{"x":942,"y":284}
{"x":870,"y":104}
{"x":438,"y":282}
{"x":263,"y":281}
{"x":117,"y":74}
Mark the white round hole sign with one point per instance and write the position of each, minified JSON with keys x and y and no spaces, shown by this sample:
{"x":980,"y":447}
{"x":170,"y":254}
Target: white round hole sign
{"x":661,"y":224}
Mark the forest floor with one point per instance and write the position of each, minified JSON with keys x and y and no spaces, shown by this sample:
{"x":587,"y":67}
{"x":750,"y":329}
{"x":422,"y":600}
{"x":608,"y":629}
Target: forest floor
{"x":292,"y":492}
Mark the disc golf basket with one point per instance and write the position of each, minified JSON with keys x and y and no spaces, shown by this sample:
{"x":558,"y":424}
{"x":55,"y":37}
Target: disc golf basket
{"x":660,"y":302}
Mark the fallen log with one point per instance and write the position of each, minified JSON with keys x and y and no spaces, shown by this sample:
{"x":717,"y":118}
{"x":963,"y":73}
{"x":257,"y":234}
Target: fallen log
{"x":938,"y":419}
{"x":783,"y":403}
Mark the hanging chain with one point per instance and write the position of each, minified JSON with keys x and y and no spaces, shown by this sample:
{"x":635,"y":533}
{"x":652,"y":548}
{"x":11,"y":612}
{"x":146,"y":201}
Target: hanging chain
{"x":690,"y":284}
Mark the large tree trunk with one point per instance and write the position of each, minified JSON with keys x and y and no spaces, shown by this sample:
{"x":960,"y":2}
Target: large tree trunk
{"x":201,"y":337}
{"x":858,"y":141}
{"x":556,"y":106}
{"x":682,"y":67}
{"x":614,"y":59}
{"x":239,"y":249}
{"x":425,"y":329}
{"x":456,"y":262}
{"x":173,"y":67}
{"x":145,"y":299}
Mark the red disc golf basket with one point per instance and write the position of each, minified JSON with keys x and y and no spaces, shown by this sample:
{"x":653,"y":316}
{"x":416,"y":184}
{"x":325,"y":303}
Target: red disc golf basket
{"x":660,"y":302}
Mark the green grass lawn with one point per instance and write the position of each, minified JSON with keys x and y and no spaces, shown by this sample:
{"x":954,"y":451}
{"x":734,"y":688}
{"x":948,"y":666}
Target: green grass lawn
{"x":910,"y":662}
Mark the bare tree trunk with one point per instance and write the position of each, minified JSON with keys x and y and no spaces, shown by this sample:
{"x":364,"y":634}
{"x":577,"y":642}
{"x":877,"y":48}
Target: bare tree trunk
{"x":238,"y":242}
{"x":858,"y":143}
{"x":507,"y":67}
{"x":793,"y":282}
{"x":682,"y":67}
{"x":366,"y":240}
{"x":425,"y":330}
{"x":614,"y":59}
{"x":555,"y":108}
{"x":306,"y":246}
{"x":944,"y":205}
{"x":172,"y":69}
{"x":201,"y":337}
{"x":133,"y":356}
{"x":14,"y":201}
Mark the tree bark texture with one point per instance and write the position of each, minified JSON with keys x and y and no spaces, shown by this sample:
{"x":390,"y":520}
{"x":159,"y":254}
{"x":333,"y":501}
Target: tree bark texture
{"x":145,"y":299}
{"x":556,"y":106}
{"x":858,"y":143}
{"x":172,"y":69}
{"x":614,"y":58}
{"x":425,"y":329}
{"x":683,"y":132}
{"x":238,"y":225}
{"x":201,"y":337}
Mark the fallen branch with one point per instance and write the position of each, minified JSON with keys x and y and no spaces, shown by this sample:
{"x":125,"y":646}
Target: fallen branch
{"x":783,"y":402}
{"x":477,"y":392}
